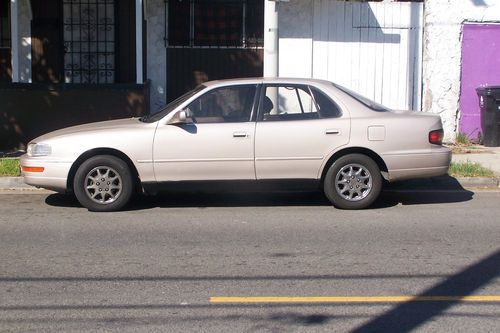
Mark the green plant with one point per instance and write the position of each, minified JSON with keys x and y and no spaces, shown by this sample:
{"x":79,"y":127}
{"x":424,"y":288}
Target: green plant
{"x":9,"y":167}
{"x":469,"y":169}
{"x":462,"y":139}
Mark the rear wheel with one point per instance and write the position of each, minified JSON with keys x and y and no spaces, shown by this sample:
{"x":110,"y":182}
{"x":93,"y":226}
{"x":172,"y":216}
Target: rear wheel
{"x":103,"y":183}
{"x":353,"y":182}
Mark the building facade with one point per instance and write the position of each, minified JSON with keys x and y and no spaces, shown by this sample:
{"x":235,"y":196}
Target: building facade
{"x":64,"y":62}
{"x":461,"y":47}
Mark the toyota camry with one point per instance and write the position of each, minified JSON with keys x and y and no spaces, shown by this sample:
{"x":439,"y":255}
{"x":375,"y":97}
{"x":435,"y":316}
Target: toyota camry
{"x":245,"y":130}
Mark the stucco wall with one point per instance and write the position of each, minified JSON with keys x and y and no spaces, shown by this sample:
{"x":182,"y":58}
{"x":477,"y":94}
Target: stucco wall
{"x":443,"y":22}
{"x":156,"y":53}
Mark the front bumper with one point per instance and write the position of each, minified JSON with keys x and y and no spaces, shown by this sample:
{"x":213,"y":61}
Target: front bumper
{"x":53,"y":177}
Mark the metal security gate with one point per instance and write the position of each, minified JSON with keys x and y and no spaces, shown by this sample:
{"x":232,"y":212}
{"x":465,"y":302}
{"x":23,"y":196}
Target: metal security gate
{"x":209,"y":40}
{"x":89,"y":41}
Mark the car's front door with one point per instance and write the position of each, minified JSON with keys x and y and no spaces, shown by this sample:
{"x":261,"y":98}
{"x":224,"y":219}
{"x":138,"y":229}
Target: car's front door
{"x":298,"y":128}
{"x":219,"y":145}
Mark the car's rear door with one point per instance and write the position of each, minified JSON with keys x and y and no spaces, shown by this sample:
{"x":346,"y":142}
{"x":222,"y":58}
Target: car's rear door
{"x":218,"y":146}
{"x":298,"y":127}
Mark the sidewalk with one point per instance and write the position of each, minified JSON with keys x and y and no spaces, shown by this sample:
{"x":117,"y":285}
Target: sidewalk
{"x":488,"y":157}
{"x":15,"y":183}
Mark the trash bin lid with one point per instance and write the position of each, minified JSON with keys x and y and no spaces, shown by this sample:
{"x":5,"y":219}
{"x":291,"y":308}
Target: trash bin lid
{"x":489,"y":90}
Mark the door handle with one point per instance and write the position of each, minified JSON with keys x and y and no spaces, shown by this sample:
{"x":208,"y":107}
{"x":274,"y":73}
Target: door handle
{"x":240,"y":134}
{"x":334,"y":131}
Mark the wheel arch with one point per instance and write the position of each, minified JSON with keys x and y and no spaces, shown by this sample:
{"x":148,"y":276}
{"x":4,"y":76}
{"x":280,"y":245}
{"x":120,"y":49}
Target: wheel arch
{"x":355,"y":150}
{"x":102,"y":151}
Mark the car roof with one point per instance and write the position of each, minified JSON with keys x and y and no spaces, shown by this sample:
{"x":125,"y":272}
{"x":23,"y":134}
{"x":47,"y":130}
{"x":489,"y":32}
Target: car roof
{"x":269,"y":80}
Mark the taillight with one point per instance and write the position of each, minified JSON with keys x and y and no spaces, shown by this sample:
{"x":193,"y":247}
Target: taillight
{"x":436,"y":137}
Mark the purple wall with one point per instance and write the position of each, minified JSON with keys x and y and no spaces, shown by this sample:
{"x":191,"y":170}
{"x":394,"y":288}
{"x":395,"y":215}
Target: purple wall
{"x":480,"y":66}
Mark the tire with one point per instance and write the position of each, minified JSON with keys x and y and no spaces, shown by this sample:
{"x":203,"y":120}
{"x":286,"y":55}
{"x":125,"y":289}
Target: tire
{"x":353,"y":182}
{"x":103,"y":183}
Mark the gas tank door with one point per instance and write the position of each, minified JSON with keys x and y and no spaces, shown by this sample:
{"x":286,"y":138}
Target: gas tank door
{"x":376,"y":133}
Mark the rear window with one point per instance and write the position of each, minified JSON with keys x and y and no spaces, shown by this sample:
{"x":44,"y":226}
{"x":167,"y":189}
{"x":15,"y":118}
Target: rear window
{"x":363,"y":100}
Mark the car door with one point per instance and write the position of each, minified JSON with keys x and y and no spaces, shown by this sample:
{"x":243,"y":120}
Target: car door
{"x":298,"y":128}
{"x":218,"y":145}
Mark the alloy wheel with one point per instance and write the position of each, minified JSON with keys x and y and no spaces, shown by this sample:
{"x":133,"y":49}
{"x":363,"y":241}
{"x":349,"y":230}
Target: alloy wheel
{"x":353,"y":182}
{"x":103,"y":185}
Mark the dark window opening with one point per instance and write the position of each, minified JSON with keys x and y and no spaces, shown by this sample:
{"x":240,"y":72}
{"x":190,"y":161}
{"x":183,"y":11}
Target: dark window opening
{"x":89,"y":41}
{"x":218,"y":24}
{"x":5,"y":42}
{"x":222,"y":23}
{"x":5,"y":38}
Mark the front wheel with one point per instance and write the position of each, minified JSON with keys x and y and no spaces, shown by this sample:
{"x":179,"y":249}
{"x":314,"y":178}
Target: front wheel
{"x":353,"y":182}
{"x":103,"y":183}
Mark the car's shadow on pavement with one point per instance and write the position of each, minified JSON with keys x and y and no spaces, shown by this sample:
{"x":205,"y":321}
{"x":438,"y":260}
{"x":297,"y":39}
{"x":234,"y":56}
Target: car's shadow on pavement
{"x":436,"y":190}
{"x":427,"y":191}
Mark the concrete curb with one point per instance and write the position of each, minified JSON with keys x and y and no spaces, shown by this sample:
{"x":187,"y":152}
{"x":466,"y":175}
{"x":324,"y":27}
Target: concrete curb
{"x":479,"y":182}
{"x":17,"y":183}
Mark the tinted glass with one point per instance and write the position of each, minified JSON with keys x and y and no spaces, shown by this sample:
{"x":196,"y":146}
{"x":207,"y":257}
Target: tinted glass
{"x":327,"y":107}
{"x":362,"y":99}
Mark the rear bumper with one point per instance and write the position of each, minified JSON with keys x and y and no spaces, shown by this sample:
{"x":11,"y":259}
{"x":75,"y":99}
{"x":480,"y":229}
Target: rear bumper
{"x":431,"y":163}
{"x":53,"y":177}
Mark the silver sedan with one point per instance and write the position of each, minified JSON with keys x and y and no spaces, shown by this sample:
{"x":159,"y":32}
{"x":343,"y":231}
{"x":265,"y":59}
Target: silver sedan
{"x":251,"y":130}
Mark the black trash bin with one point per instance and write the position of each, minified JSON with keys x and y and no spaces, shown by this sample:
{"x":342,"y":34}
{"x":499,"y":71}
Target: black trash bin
{"x":489,"y":102}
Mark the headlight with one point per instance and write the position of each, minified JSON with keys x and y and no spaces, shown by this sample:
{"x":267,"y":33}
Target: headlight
{"x":39,"y":149}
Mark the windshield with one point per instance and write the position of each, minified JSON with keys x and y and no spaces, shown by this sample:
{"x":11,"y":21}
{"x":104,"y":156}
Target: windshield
{"x":363,"y":100}
{"x":151,"y":118}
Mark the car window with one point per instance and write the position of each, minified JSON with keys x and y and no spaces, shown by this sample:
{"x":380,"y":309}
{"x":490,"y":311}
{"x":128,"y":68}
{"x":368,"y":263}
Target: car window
{"x":362,"y":99}
{"x":151,"y":118}
{"x":227,"y":104}
{"x":294,"y":102}
{"x":326,"y":107}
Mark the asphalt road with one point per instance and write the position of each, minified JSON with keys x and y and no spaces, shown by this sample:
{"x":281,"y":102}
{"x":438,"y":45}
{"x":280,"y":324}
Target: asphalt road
{"x":163,"y":264}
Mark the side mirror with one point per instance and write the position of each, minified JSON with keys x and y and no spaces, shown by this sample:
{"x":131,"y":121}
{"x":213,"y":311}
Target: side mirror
{"x":182,"y":117}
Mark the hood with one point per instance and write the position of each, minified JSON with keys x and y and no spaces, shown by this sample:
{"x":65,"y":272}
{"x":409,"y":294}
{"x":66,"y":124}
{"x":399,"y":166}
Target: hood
{"x":91,"y":127}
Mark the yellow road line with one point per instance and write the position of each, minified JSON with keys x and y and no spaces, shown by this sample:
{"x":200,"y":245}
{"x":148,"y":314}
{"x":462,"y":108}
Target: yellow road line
{"x":354,"y":299}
